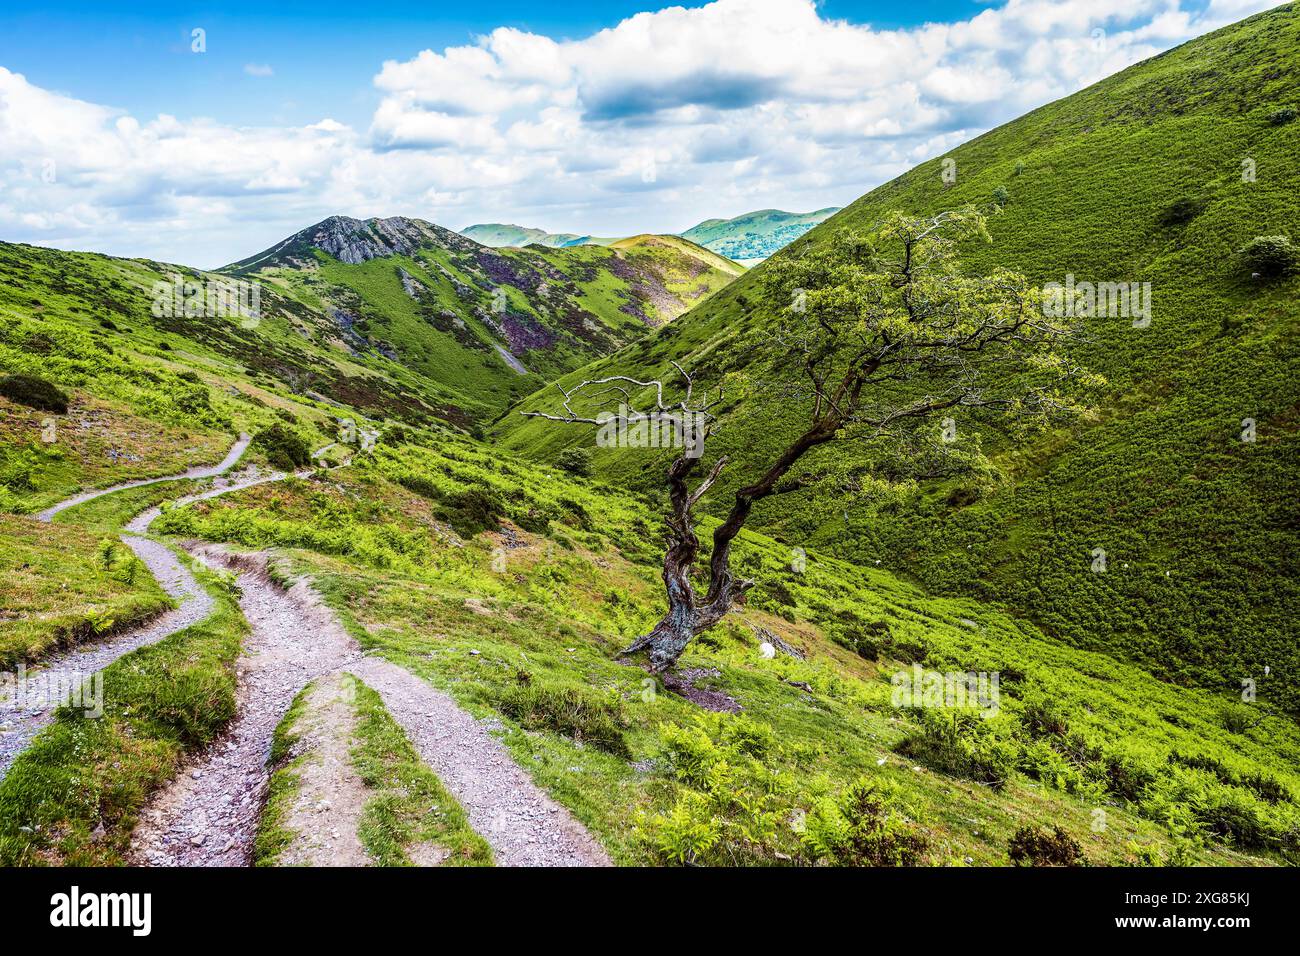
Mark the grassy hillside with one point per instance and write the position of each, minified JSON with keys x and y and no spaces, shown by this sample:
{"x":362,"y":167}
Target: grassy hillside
{"x":1139,"y":178}
{"x":512,"y":587}
{"x":755,"y":235}
{"x":487,"y":325}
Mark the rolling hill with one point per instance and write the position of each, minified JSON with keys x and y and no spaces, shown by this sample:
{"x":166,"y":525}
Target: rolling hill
{"x":1158,"y":174}
{"x":754,"y":236}
{"x":497,"y":234}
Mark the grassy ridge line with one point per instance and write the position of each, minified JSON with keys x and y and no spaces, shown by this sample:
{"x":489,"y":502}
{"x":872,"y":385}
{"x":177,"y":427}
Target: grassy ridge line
{"x":74,"y":795}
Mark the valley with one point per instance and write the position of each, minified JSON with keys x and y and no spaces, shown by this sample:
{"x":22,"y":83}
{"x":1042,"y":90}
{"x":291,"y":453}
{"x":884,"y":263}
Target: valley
{"x":340,"y":598}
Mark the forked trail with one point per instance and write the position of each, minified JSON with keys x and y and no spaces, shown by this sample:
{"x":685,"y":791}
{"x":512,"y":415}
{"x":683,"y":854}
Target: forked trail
{"x":208,"y":815}
{"x":22,"y":717}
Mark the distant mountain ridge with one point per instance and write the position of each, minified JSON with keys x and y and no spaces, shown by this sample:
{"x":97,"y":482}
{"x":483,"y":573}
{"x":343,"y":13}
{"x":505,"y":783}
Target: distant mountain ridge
{"x":756,"y":235}
{"x":746,"y":238}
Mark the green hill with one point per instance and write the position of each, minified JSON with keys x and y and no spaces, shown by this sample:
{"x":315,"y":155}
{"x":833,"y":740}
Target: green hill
{"x":497,"y":234}
{"x":1158,"y":174}
{"x":489,"y":325}
{"x":755,"y":235}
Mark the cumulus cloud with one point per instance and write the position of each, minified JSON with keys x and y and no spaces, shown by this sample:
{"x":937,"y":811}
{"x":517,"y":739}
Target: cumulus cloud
{"x":666,"y":118}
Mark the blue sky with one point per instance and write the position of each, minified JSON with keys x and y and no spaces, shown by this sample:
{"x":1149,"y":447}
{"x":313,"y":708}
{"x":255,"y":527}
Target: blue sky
{"x":608,"y":118}
{"x":323,"y":54}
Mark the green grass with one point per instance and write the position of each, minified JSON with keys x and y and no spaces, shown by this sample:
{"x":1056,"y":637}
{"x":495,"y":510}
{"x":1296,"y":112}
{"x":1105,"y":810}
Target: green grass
{"x":1199,"y":526}
{"x":585,"y":580}
{"x":73,"y":797}
{"x":60,"y":586}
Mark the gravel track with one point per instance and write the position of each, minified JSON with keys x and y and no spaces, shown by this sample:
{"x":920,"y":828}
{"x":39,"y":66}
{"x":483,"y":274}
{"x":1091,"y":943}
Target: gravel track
{"x":199,"y":471}
{"x":22,"y":717}
{"x":524,"y":826}
{"x":210,"y":819}
{"x":208,"y":815}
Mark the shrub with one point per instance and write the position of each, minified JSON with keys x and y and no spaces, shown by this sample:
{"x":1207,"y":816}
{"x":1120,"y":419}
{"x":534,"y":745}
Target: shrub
{"x":873,"y":640}
{"x":1270,"y":256}
{"x":961,"y":744}
{"x":569,"y":710}
{"x":34,"y":392}
{"x":730,"y":808}
{"x":284,"y":448}
{"x":472,"y":511}
{"x":1283,"y":116}
{"x":1033,"y":846}
{"x":576,"y":461}
{"x":1181,"y":212}
{"x":860,"y":829}
{"x":1001,"y":196}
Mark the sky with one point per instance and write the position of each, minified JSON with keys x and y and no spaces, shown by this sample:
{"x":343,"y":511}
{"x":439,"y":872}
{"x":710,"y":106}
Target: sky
{"x":203,"y":133}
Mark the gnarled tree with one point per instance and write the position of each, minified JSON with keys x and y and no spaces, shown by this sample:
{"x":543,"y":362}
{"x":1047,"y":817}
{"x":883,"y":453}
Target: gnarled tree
{"x":883,"y":331}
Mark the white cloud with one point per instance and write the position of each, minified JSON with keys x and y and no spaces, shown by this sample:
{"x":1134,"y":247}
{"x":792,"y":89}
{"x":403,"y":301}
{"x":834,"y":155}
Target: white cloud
{"x":664,"y":119}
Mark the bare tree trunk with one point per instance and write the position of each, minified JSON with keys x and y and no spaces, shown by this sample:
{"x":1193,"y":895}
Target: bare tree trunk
{"x":687,"y":615}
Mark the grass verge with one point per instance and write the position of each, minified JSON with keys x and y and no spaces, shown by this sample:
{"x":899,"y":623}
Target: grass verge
{"x":73,"y":797}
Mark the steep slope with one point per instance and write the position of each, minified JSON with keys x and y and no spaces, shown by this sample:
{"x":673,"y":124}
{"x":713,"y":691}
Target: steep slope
{"x":755,"y":235}
{"x":488,"y":324}
{"x":1158,"y":174}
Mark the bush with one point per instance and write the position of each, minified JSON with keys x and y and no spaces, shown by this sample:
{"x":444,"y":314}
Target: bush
{"x":961,"y":744}
{"x":1283,"y":116}
{"x":730,"y":808}
{"x":576,"y":461}
{"x":1001,"y":196}
{"x":472,"y":511}
{"x":566,"y":709}
{"x":1270,"y":256}
{"x":1181,"y":212}
{"x":34,"y":392}
{"x":1032,"y":846}
{"x":861,"y":830}
{"x":284,"y":448}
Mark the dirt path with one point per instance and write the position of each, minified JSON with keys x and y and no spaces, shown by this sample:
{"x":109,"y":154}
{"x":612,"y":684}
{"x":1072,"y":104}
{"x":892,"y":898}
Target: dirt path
{"x":199,"y":471}
{"x":524,"y":826}
{"x":22,"y":717}
{"x":330,"y":801}
{"x":208,"y":816}
{"x":21,"y":720}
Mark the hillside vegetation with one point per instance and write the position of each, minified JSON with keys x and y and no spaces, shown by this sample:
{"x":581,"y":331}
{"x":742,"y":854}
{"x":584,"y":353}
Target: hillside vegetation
{"x":1140,"y":178}
{"x":509,"y":569}
{"x":755,"y":235}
